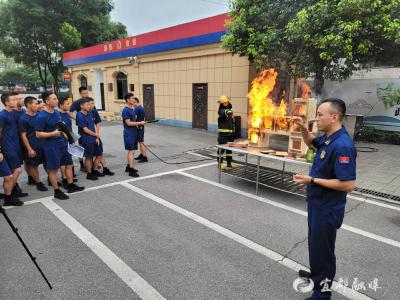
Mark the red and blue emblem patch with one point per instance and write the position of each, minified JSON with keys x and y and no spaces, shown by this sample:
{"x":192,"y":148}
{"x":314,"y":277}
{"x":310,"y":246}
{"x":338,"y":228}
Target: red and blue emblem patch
{"x":344,"y":159}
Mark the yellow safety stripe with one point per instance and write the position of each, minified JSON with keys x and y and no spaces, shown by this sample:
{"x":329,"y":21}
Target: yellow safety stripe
{"x":225,"y":130}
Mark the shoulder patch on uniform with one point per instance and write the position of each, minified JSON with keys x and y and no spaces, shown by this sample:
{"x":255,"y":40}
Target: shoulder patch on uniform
{"x":344,"y":159}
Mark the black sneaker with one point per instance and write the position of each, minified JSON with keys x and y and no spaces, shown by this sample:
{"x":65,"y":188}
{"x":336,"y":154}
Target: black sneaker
{"x":12,"y":201}
{"x":65,"y":183}
{"x":72,"y":188}
{"x":127,"y":169}
{"x":31,"y":181}
{"x":41,"y":187}
{"x":107,"y":171}
{"x":133,"y":174}
{"x":98,"y":174}
{"x":59,"y":194}
{"x":139,"y":157}
{"x":17,"y":188}
{"x":18,"y":193}
{"x":91,"y":176}
{"x":143,"y":160}
{"x":304,"y":273}
{"x":74,"y":180}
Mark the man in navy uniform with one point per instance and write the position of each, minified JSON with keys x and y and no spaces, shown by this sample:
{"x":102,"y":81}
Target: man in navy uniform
{"x":140,"y":116}
{"x":75,"y":107}
{"x":332,"y":176}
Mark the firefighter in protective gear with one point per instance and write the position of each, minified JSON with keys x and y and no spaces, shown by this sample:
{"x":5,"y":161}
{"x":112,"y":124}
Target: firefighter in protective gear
{"x":226,"y":129}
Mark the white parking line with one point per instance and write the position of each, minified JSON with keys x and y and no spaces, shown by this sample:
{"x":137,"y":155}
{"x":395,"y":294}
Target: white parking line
{"x":143,"y":289}
{"x":97,"y":187}
{"x":292,"y":209}
{"x":373,"y":202}
{"x":345,"y":291}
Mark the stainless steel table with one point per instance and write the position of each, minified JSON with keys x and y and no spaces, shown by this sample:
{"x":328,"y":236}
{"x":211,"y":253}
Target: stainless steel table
{"x":255,"y":151}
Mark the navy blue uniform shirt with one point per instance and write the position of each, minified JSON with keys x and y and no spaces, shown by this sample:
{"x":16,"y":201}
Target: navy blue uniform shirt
{"x":9,"y":135}
{"x":20,"y":113}
{"x":27,"y":124}
{"x":335,"y":159}
{"x":75,"y":106}
{"x":128,"y":113}
{"x":140,"y":114}
{"x":47,"y":122}
{"x":95,"y":116}
{"x":86,"y":121}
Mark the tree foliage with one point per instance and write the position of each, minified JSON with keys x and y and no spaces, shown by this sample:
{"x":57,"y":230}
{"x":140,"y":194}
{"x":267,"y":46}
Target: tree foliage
{"x":37,"y":32}
{"x":324,"y":39}
{"x":27,"y":77}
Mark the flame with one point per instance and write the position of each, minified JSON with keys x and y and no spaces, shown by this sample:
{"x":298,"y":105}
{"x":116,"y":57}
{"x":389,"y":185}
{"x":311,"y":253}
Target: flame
{"x":264,"y":113}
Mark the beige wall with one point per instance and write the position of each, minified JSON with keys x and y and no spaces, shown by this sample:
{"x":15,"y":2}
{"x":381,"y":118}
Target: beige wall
{"x":173,"y":74}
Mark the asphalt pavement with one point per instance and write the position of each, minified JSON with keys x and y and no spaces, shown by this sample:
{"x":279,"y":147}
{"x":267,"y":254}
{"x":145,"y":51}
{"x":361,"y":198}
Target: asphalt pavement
{"x":177,"y":233}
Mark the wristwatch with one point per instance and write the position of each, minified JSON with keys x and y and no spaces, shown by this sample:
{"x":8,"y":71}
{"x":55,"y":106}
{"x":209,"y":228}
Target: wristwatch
{"x":312,"y":180}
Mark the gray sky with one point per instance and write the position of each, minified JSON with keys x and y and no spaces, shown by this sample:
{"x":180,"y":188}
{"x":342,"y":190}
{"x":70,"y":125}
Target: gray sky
{"x":140,"y":16}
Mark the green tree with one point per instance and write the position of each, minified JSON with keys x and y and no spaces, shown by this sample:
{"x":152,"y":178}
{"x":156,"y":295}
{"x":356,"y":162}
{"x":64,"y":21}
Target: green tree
{"x":20,"y":75}
{"x":324,"y":39}
{"x":257,"y":29}
{"x":37,"y":32}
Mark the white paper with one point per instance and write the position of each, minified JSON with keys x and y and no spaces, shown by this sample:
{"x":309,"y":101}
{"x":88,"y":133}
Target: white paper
{"x":76,"y":150}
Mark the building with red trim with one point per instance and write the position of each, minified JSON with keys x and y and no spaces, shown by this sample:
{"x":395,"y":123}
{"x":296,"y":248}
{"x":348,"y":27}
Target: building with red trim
{"x":178,"y":73}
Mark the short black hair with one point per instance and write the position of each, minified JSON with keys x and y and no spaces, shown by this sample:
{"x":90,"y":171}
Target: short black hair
{"x":82,"y":88}
{"x":62,"y":100}
{"x":127,"y":96}
{"x":5,"y":97}
{"x":45,"y":95}
{"x":90,"y":99}
{"x":29,"y":100}
{"x":85,"y":100}
{"x":338,"y":106}
{"x":137,"y":99}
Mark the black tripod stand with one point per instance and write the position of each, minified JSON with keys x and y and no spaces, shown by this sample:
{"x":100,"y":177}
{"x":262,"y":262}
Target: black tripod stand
{"x":3,"y":212}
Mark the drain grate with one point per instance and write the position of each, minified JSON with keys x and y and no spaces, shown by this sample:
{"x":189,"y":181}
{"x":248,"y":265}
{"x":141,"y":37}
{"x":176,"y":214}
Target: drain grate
{"x":377,"y":194}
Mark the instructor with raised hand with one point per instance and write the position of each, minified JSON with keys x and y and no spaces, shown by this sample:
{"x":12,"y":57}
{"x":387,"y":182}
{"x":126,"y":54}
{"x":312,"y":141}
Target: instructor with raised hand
{"x":332,"y":176}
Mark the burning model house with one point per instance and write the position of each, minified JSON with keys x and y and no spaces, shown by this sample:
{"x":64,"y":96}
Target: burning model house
{"x":269,"y":121}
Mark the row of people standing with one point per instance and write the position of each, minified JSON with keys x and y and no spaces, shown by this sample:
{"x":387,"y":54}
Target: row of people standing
{"x":31,"y":138}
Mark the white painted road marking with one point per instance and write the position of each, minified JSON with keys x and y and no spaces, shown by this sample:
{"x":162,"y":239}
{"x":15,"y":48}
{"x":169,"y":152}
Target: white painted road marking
{"x":292,"y":209}
{"x":345,"y":291}
{"x":373,"y":202}
{"x":361,"y":199}
{"x":97,"y":187}
{"x":143,"y":289}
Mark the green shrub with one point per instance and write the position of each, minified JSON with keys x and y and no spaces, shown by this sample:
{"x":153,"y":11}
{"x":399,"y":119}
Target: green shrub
{"x":372,"y":135}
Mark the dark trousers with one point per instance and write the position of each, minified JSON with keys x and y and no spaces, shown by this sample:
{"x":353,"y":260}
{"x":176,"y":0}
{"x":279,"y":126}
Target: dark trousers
{"x":222,"y":139}
{"x":322,"y":228}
